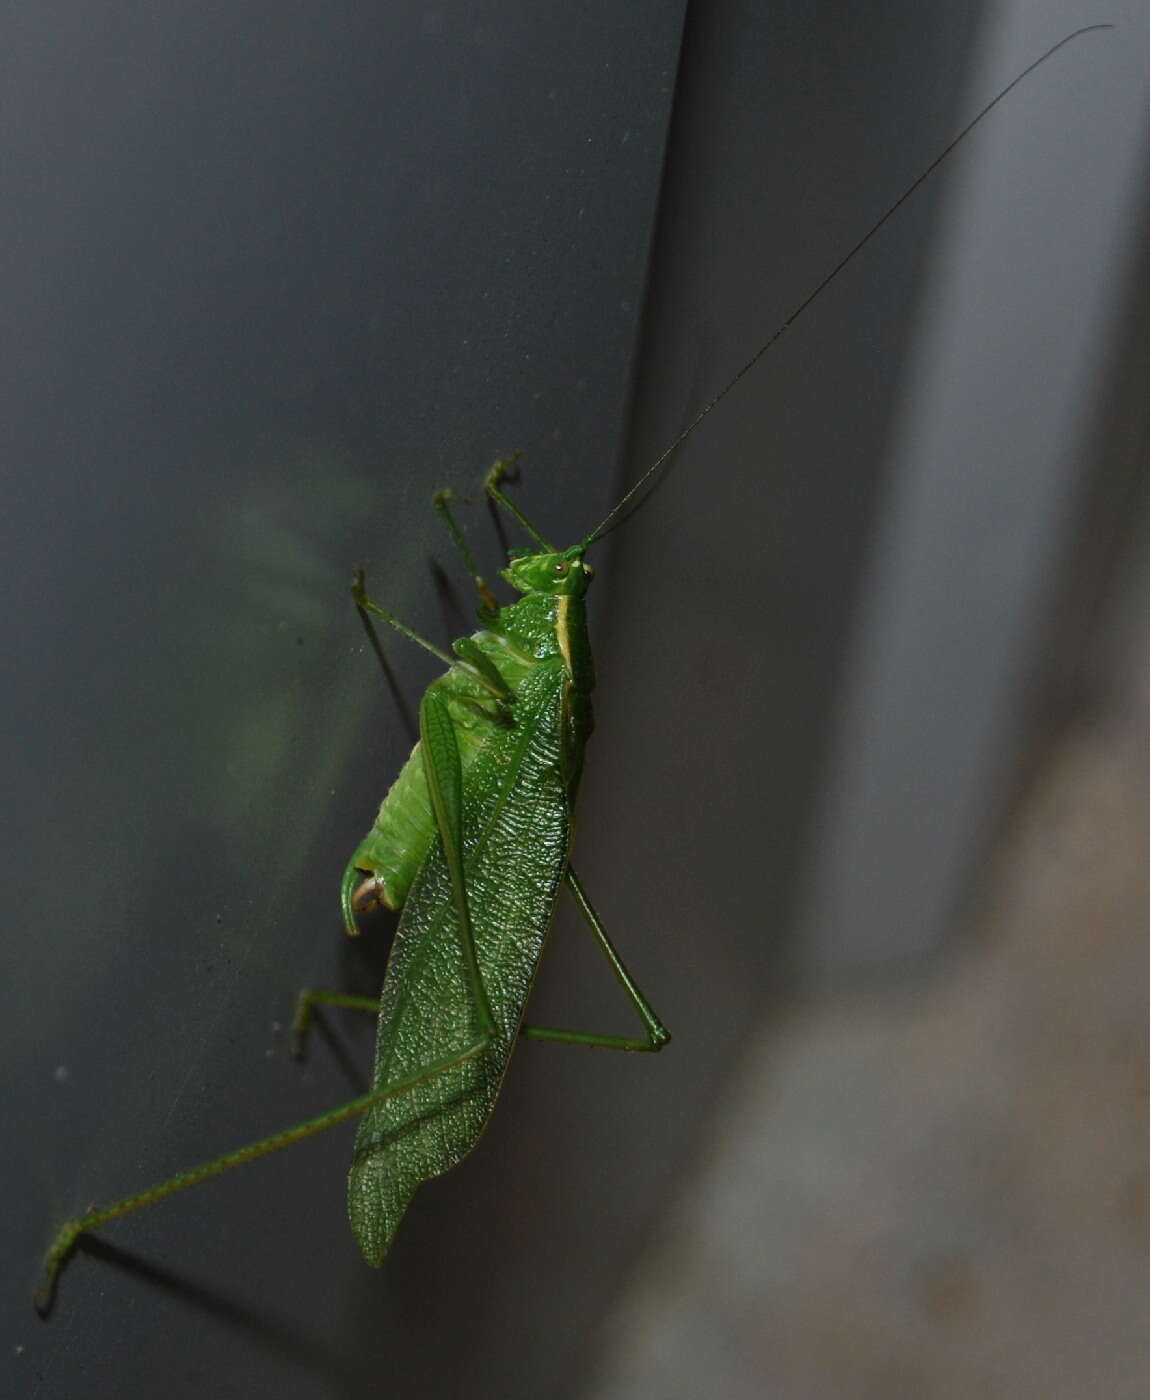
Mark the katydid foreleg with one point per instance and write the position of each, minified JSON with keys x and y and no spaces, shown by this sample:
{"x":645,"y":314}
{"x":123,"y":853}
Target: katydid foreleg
{"x":500,"y":472}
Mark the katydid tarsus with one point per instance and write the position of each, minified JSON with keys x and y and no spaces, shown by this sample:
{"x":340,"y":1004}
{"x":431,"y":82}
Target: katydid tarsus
{"x":472,"y":844}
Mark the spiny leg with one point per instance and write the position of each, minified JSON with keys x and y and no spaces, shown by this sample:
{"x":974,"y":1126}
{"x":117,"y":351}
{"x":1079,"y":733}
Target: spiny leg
{"x":442,"y":502}
{"x":367,"y":608}
{"x":657,"y":1033}
{"x":65,"y":1241}
{"x":500,"y":471}
{"x":445,"y":784}
{"x":480,"y":669}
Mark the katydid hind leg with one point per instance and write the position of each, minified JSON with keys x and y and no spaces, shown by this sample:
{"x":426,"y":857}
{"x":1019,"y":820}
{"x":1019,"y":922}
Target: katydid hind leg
{"x":444,"y":772}
{"x":64,"y":1242}
{"x":657,"y":1034}
{"x":445,"y":783}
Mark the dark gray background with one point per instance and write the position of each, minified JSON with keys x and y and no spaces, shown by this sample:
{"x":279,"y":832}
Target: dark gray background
{"x":277,"y":273}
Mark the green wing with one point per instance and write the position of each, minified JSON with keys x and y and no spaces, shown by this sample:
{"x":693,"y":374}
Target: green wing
{"x":516,"y":832}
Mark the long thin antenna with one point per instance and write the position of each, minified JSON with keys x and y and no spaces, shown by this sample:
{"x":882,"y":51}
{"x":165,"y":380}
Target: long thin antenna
{"x":785,"y":325}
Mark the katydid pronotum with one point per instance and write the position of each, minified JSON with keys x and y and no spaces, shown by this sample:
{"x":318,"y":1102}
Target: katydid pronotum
{"x":472,"y":843}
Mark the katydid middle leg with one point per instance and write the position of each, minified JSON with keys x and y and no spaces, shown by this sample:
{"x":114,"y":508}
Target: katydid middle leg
{"x":368,"y":608}
{"x":305,"y":1008}
{"x":442,"y":502}
{"x":657,"y":1033}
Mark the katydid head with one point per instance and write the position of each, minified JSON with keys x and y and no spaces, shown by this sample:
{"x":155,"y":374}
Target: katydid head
{"x":559,"y":572}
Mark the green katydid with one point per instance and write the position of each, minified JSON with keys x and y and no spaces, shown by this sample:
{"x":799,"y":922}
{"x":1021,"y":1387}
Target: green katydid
{"x":472,"y":843}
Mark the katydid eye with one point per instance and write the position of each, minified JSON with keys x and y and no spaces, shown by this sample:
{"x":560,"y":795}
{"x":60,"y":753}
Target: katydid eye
{"x":562,"y":567}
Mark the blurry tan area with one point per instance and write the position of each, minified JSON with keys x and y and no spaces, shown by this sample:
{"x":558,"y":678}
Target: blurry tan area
{"x":940,"y":1189}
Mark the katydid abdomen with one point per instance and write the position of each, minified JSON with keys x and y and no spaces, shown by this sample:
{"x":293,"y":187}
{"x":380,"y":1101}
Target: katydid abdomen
{"x":385,"y":863}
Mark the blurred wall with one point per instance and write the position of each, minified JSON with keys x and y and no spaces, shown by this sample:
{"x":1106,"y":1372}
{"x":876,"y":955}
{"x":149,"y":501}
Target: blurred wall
{"x":924,"y":1173}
